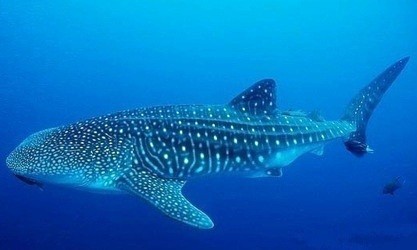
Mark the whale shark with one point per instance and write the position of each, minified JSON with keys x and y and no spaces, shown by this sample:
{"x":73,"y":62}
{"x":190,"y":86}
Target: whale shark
{"x":152,"y":152}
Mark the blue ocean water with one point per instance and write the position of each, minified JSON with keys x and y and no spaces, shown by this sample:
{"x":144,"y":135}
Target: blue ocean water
{"x":64,"y":61}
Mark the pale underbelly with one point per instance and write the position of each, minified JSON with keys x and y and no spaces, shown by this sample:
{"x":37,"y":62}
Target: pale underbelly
{"x":285,"y":157}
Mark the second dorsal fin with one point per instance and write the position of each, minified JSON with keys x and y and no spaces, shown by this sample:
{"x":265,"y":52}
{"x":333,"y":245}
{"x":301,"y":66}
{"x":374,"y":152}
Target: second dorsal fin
{"x":259,"y":99}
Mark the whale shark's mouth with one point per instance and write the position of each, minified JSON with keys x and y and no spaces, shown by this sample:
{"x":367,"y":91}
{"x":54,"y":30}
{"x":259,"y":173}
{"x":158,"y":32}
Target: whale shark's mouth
{"x":29,"y":181}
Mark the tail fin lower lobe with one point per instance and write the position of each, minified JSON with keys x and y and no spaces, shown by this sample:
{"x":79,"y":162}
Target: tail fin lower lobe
{"x":363,"y":104}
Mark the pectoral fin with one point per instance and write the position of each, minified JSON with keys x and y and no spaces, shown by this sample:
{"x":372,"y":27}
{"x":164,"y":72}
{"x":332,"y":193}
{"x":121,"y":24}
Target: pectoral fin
{"x":165,"y":194}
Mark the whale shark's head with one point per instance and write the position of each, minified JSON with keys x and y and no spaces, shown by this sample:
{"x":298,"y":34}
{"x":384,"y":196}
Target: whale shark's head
{"x":82,"y":154}
{"x":36,"y":157}
{"x":50,"y":156}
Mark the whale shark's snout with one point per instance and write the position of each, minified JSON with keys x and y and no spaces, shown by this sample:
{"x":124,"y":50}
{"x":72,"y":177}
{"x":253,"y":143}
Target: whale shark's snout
{"x":20,"y":160}
{"x":68,"y":155}
{"x":31,"y":157}
{"x":13,"y":162}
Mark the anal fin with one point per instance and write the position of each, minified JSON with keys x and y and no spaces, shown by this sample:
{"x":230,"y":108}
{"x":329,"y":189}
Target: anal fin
{"x":165,"y":194}
{"x":269,"y":172}
{"x":318,"y":151}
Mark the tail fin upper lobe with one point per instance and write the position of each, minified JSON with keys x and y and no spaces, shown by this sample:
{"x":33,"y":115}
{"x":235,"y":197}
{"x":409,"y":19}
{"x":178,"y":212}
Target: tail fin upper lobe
{"x":363,"y":104}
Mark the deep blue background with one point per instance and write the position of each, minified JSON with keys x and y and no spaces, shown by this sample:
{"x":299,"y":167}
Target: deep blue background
{"x":63,"y":61}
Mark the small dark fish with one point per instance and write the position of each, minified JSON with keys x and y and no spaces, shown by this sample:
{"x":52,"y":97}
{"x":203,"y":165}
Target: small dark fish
{"x":29,"y":181}
{"x":391,"y":187}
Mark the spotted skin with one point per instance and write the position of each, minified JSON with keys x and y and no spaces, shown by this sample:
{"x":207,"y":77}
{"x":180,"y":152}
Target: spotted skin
{"x":152,"y":152}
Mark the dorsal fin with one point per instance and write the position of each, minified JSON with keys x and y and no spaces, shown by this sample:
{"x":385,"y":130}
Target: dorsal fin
{"x":259,"y":99}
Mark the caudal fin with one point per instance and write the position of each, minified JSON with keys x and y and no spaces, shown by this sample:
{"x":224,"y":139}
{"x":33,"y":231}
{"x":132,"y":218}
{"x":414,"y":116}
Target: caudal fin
{"x":363,"y":104}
